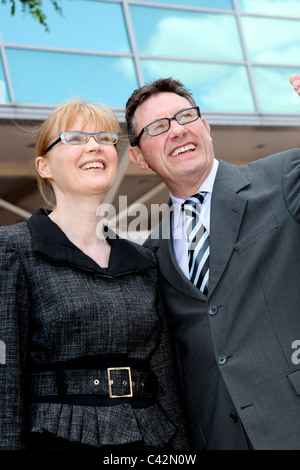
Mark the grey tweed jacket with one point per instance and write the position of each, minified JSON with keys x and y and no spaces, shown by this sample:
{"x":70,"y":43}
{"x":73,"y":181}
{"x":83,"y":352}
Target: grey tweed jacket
{"x":64,"y":321}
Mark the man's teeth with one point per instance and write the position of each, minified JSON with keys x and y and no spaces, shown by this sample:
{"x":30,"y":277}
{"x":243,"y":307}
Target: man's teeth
{"x":183,"y":149}
{"x":87,"y":166}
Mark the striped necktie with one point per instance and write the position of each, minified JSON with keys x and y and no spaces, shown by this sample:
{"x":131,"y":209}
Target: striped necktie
{"x":198,"y":242}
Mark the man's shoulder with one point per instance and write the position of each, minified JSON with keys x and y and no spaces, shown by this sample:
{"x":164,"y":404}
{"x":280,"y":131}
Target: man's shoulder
{"x":276,"y":158}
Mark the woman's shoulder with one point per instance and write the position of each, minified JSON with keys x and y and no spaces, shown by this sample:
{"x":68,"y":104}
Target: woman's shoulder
{"x":14,"y":234}
{"x":132,"y":247}
{"x":142,"y":251}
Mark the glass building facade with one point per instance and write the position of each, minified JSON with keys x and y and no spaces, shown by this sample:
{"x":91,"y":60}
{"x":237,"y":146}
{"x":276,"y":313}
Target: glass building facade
{"x":236,"y":56}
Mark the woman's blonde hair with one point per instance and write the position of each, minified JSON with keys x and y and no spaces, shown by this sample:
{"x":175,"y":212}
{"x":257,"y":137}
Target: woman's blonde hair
{"x":61,"y":120}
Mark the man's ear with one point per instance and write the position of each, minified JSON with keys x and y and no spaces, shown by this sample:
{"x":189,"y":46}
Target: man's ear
{"x":206,"y":125}
{"x":136,"y":157}
{"x":42,"y":167}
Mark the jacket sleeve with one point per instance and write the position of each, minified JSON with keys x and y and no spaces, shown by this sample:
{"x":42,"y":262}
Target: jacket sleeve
{"x":14,"y":308}
{"x":291,"y":182}
{"x":163,"y":366}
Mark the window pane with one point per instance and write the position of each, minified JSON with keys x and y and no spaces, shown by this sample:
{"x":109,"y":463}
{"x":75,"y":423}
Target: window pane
{"x":271,"y":7}
{"x":275,"y":93}
{"x":272,"y":40}
{"x":54,"y":77}
{"x":3,"y":87}
{"x":215,"y":87}
{"x":218,"y":4}
{"x":85,"y":24}
{"x":186,"y":34}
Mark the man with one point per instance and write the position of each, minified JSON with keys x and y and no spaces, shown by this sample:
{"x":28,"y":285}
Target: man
{"x":236,"y":329}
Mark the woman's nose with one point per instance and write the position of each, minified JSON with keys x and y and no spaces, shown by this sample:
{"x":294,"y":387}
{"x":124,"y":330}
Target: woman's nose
{"x":93,"y":144}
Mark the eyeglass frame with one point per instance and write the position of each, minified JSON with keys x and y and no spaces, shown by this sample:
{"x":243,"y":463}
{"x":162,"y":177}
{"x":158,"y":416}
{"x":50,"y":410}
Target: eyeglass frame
{"x":89,"y":134}
{"x":136,"y":141}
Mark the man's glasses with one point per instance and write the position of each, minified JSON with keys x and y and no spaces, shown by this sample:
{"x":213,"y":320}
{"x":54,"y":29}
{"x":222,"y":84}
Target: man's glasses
{"x":163,"y":125}
{"x":81,"y":138}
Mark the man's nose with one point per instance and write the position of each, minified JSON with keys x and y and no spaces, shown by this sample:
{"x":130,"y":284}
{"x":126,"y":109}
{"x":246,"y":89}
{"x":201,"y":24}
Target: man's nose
{"x":177,"y":129}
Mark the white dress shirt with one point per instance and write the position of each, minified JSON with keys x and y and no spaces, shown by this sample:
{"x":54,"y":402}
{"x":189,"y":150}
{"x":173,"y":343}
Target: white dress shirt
{"x":180,"y":243}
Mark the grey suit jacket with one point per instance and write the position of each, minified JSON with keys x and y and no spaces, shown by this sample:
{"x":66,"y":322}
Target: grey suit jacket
{"x":236,"y":347}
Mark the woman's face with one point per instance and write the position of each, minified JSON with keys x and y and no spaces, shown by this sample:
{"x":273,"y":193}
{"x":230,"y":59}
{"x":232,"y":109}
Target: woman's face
{"x":80,"y":170}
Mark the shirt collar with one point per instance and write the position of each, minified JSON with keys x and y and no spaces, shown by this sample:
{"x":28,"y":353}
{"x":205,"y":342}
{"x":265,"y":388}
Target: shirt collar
{"x":49,"y":241}
{"x":206,"y":186}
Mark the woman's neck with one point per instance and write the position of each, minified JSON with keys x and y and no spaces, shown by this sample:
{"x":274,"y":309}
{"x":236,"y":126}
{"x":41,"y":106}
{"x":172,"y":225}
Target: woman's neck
{"x":83,"y":228}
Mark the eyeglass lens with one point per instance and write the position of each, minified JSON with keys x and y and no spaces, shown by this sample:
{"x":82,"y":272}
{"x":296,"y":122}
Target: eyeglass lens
{"x":162,"y":125}
{"x":78,"y":138}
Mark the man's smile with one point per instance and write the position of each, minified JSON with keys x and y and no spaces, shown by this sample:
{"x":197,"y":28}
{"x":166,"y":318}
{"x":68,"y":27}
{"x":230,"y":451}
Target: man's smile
{"x":183,"y":149}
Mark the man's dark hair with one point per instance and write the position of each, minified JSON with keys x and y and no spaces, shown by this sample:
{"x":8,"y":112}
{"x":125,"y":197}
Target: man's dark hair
{"x":146,"y":91}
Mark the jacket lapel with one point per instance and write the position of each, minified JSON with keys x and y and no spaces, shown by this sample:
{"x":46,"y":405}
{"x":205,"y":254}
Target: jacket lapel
{"x":227,"y":210}
{"x":161,"y":242}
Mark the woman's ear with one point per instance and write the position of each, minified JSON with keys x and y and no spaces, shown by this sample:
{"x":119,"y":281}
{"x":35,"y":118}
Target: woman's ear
{"x":136,"y":157}
{"x":42,"y":167}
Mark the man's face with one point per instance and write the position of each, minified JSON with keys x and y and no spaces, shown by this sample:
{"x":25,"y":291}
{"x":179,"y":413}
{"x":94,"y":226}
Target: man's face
{"x":182,"y":156}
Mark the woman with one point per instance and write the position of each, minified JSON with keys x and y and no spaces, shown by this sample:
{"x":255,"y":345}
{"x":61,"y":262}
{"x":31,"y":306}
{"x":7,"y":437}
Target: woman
{"x":87,"y":360}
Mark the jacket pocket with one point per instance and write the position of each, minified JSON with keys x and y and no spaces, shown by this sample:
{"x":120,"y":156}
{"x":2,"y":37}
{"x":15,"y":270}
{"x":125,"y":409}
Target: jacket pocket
{"x":256,"y":234}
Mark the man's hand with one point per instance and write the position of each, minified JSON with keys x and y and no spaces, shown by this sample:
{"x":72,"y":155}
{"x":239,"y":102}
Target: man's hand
{"x":295,"y":81}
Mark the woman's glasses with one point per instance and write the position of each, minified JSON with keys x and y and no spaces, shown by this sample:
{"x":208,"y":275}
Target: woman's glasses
{"x":81,"y":138}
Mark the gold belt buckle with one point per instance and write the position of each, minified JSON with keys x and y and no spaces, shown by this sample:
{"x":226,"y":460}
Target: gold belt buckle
{"x":110,"y":382}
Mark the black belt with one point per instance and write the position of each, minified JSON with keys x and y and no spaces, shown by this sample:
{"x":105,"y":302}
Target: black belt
{"x":112,"y":382}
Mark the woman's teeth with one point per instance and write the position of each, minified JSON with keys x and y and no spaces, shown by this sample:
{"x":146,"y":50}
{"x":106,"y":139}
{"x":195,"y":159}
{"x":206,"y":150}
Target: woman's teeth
{"x":87,"y":166}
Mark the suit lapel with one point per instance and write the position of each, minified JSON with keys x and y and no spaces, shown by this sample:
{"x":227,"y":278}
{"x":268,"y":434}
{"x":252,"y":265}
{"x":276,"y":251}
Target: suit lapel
{"x":227,"y":210}
{"x":169,"y":269}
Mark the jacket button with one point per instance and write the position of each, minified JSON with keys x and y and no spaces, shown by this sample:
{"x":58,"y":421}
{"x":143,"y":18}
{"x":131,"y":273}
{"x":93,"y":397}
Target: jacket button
{"x":212,"y":310}
{"x":222,"y":360}
{"x":234,"y":417}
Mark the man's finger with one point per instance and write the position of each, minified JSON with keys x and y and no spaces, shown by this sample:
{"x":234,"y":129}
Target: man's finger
{"x":295,"y":81}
